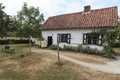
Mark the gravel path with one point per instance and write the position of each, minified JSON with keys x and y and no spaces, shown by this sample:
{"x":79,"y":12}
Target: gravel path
{"x":110,"y":67}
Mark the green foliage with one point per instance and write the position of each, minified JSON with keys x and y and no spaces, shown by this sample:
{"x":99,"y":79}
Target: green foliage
{"x":118,"y":30}
{"x":94,"y":33}
{"x":109,"y":38}
{"x":5,"y":22}
{"x":53,"y":47}
{"x":108,"y":51}
{"x":116,"y":44}
{"x":12,"y":75}
{"x":12,"y":41}
{"x":29,"y":20}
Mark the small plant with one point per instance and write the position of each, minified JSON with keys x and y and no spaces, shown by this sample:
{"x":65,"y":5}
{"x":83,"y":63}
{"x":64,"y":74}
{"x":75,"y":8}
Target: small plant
{"x":79,"y":48}
{"x":70,"y":48}
{"x":106,"y":52}
{"x":53,"y":47}
{"x":67,"y":48}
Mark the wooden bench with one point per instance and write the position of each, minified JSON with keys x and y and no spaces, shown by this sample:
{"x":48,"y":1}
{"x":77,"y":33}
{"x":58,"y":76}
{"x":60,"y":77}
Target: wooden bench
{"x":7,"y":48}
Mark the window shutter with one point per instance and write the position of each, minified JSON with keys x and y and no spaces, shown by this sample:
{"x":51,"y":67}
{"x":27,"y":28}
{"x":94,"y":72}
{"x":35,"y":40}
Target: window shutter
{"x":100,"y":40}
{"x":84,"y":38}
{"x":69,"y":38}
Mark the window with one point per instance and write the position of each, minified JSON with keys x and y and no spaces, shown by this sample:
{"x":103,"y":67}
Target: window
{"x":65,"y":38}
{"x":92,"y":39}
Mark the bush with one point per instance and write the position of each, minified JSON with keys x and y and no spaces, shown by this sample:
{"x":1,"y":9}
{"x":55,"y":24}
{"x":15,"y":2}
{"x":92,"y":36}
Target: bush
{"x":12,"y":41}
{"x":4,"y":42}
{"x":108,"y":52}
{"x":53,"y":47}
{"x":86,"y":49}
{"x":70,"y":48}
{"x":79,"y":48}
{"x":21,"y":41}
{"x":116,"y":44}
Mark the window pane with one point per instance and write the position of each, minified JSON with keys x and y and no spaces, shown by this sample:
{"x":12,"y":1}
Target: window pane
{"x":84,"y":35}
{"x":62,"y":37}
{"x":65,"y":38}
{"x":92,"y":39}
{"x":95,"y":40}
{"x":89,"y":40}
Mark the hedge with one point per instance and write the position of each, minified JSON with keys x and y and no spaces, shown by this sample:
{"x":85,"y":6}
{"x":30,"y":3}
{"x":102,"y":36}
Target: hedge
{"x":12,"y":41}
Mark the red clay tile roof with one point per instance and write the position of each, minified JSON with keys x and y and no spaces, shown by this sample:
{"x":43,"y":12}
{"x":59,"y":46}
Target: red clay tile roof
{"x":107,"y":17}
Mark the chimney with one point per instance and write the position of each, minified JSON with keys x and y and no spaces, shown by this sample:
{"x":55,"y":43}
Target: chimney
{"x":87,"y":8}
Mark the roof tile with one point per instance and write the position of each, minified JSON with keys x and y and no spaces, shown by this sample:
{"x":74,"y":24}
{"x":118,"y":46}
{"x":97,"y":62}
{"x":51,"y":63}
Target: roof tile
{"x":107,"y":17}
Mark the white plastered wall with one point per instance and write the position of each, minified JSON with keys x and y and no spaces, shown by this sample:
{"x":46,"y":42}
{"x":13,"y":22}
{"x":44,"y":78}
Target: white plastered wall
{"x":76,"y":35}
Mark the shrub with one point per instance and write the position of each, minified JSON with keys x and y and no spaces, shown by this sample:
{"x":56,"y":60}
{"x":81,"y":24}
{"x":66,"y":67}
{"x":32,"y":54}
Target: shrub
{"x":53,"y":47}
{"x":21,"y":41}
{"x":79,"y":48}
{"x":98,"y":52}
{"x":67,"y":48}
{"x":88,"y":49}
{"x":108,"y":51}
{"x":70,"y":48}
{"x":12,"y":41}
{"x":116,"y":44}
{"x":4,"y":42}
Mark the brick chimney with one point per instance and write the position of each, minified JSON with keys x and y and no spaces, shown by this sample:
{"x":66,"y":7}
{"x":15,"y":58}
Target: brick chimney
{"x":87,"y":8}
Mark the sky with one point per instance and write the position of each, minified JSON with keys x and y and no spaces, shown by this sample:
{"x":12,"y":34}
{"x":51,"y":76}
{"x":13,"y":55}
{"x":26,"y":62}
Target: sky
{"x":58,"y":7}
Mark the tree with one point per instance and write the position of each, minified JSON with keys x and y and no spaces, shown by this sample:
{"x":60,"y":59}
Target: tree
{"x":118,"y":29}
{"x":5,"y":23}
{"x":109,"y":37}
{"x":29,"y":21}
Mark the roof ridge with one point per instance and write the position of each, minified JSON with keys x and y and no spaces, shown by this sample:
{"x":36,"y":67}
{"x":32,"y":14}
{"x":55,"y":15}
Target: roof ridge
{"x":82,"y":11}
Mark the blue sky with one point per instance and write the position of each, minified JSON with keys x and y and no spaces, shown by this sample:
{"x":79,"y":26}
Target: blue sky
{"x":57,"y":7}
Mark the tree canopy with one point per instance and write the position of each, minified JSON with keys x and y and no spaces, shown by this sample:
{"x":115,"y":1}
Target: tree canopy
{"x":5,"y":22}
{"x":29,"y":20}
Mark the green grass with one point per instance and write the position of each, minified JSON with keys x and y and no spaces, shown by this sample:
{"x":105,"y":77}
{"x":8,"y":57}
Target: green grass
{"x":13,"y":75}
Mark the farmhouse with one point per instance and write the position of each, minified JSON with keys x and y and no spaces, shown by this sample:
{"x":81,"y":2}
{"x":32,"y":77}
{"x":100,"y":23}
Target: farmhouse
{"x":72,"y":28}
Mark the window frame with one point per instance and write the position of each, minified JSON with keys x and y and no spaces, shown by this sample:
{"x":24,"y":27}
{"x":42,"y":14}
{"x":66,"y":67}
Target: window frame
{"x":91,"y":39}
{"x":64,"y":38}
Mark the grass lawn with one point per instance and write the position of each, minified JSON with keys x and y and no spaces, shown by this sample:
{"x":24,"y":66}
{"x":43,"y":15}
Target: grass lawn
{"x":42,"y":66}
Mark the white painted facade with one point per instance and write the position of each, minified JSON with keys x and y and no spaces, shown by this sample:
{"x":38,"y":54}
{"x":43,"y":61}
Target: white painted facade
{"x":76,"y":36}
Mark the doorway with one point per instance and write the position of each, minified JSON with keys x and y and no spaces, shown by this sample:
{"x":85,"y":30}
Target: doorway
{"x":50,"y":40}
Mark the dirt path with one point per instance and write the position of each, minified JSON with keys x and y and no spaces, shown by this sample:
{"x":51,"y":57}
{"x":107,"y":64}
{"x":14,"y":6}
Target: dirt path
{"x":110,"y":67}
